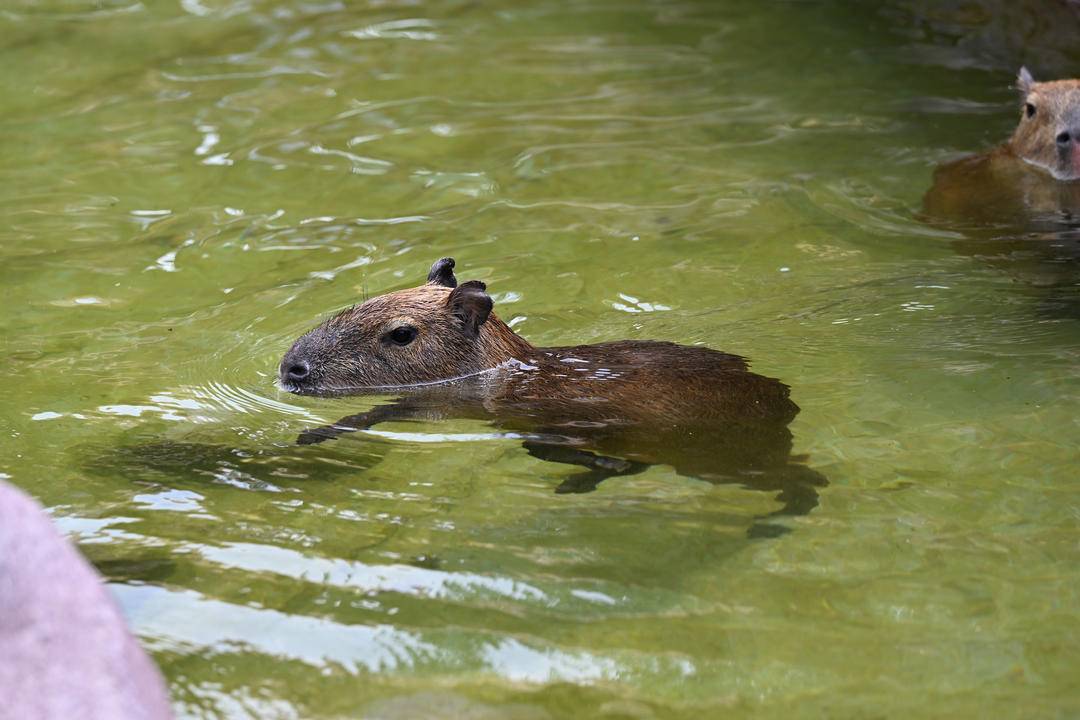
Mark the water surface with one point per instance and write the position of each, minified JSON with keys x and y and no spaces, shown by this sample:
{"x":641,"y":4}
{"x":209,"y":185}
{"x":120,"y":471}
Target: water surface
{"x":186,"y":187}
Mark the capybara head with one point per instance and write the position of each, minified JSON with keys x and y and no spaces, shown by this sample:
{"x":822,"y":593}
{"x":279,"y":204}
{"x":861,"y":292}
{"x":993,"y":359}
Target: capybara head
{"x":1049,"y":131}
{"x":425,"y":334}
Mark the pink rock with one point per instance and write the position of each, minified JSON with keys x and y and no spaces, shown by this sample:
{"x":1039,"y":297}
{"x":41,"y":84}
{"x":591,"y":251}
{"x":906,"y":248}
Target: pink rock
{"x":65,"y":651}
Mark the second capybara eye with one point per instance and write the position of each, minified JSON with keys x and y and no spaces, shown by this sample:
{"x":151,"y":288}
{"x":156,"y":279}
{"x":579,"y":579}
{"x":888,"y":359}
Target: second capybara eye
{"x":402,"y":335}
{"x":1029,"y":110}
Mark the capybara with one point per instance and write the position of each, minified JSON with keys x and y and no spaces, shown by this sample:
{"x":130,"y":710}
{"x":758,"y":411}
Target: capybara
{"x":613,"y":407}
{"x":1018,"y":205}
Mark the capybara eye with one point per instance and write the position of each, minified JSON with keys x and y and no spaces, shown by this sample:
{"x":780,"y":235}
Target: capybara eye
{"x":1029,"y":110}
{"x":402,"y":335}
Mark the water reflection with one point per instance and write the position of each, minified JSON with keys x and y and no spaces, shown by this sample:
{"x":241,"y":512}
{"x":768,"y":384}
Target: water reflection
{"x":180,"y":465}
{"x":738,"y":432}
{"x":184,"y":621}
{"x":370,"y":579}
{"x":1014,"y":217}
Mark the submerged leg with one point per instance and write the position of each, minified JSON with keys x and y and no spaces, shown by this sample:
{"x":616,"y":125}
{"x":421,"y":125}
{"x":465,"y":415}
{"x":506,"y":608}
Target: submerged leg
{"x":797,"y":499}
{"x":798,"y":493}
{"x":362,"y":421}
{"x":600,"y":467}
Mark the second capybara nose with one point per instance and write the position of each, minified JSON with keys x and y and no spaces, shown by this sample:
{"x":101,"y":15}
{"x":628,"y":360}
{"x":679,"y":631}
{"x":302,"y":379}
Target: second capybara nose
{"x":297,"y":371}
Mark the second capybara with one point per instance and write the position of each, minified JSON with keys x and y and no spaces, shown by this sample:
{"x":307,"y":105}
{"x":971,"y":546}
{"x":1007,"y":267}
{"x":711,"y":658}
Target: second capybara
{"x":1018,"y":204}
{"x":614,"y":408}
{"x":1045,"y":146}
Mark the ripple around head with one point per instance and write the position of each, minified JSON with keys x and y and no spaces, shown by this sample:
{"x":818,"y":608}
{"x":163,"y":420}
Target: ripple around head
{"x":222,"y":396}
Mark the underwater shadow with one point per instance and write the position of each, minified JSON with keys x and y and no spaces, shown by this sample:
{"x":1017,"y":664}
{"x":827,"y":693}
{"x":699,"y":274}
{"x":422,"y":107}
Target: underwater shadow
{"x":751,"y":452}
{"x":185,"y":464}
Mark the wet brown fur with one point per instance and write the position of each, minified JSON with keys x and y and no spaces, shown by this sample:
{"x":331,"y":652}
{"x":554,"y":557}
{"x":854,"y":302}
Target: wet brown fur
{"x":647,"y":380}
{"x":354,"y":356}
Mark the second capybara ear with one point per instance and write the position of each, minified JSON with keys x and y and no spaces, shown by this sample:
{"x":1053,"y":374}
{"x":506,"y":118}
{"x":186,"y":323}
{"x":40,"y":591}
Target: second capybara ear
{"x":470,"y":305}
{"x":442,"y":273}
{"x":1024,"y":82}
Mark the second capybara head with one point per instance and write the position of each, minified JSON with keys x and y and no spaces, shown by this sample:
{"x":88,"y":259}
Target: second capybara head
{"x":1048,"y":134}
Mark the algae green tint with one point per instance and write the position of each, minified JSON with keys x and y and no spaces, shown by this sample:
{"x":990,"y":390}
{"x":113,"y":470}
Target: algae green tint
{"x":186,"y":187}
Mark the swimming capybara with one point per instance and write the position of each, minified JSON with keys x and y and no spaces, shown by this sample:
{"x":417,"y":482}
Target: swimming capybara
{"x":614,"y":407}
{"x":1018,"y":204}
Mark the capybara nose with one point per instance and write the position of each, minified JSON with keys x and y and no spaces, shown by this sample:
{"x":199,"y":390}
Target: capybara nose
{"x":1063,"y":138}
{"x":297,"y":371}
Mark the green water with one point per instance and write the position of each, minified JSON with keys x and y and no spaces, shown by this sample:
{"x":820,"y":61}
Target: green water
{"x":187,"y":186}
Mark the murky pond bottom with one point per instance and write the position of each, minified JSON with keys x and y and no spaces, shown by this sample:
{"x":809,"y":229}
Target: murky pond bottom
{"x":186,"y":188}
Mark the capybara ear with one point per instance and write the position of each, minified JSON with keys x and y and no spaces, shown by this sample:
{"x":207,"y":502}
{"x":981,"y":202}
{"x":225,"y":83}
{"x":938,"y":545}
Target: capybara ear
{"x":442,"y":273}
{"x":470,"y":305}
{"x":1024,"y":81}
